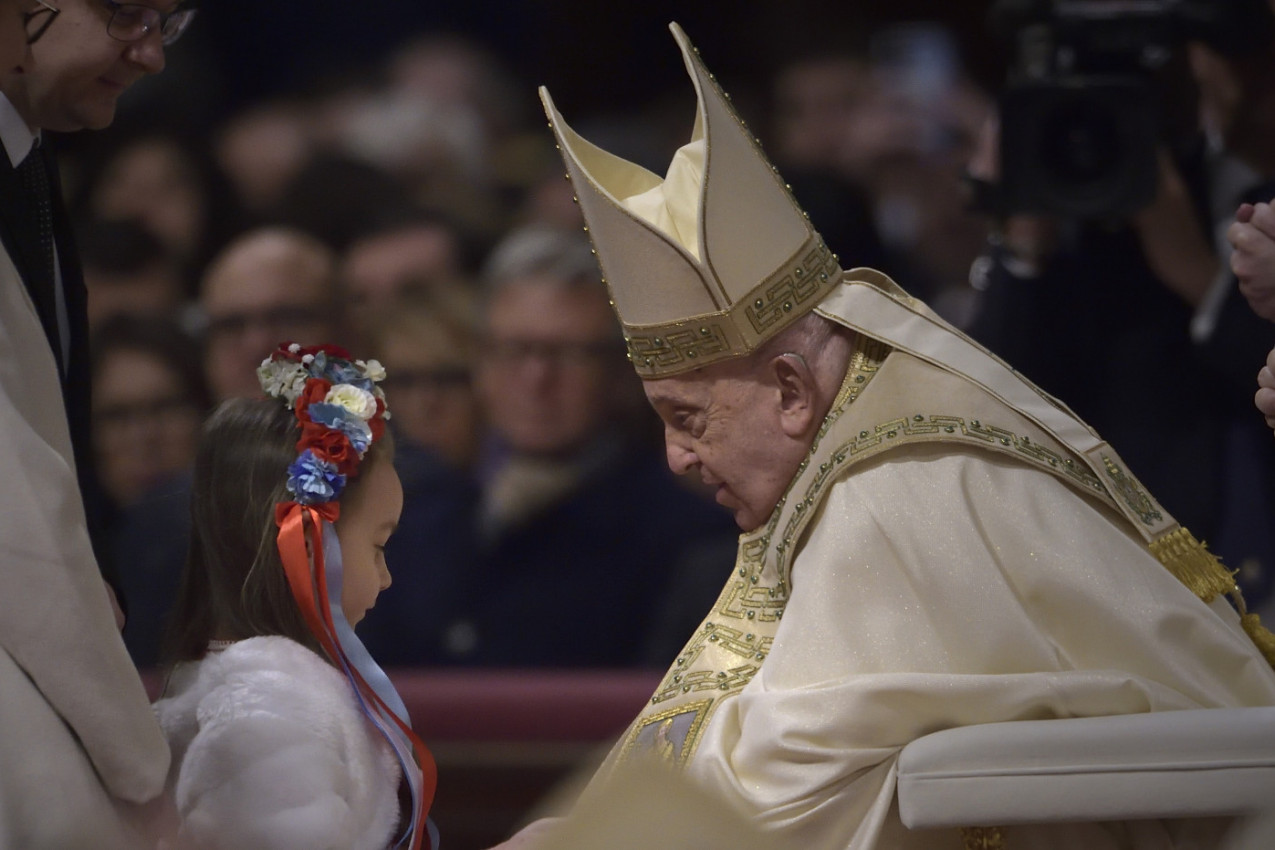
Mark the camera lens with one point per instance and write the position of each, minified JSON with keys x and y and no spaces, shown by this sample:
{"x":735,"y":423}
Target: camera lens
{"x":1082,"y":147}
{"x":1081,"y":143}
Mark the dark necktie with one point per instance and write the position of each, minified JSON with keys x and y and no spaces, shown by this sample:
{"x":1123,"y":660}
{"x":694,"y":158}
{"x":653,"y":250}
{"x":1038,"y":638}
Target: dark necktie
{"x":39,"y":205}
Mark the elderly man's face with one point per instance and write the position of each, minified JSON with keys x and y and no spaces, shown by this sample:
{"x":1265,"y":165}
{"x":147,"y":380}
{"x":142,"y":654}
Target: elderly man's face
{"x":725,"y":422}
{"x":549,"y":365}
{"x":78,"y":71}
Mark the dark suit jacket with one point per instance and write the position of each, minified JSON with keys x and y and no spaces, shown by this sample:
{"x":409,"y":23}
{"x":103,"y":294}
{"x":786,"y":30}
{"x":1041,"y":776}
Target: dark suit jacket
{"x":18,"y":231}
{"x":587,"y":581}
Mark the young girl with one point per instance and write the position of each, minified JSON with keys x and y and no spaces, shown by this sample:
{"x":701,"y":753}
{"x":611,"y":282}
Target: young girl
{"x":285,"y":734}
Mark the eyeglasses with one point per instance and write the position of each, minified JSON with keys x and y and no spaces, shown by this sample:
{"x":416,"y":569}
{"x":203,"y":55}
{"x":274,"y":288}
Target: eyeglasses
{"x":511,"y":352}
{"x":166,"y":409}
{"x":282,"y":322}
{"x":37,"y":22}
{"x":133,"y":22}
{"x":442,"y":379}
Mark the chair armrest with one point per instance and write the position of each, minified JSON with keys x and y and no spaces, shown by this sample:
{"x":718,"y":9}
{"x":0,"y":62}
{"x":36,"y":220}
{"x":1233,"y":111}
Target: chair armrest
{"x":1173,"y":764}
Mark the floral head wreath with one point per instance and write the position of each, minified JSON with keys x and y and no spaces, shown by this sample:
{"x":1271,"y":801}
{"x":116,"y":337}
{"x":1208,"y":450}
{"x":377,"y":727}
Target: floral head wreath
{"x":341,"y":412}
{"x":340,"y":408}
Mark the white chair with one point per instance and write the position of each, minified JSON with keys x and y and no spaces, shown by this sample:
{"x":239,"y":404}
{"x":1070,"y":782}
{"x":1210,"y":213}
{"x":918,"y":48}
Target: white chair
{"x":1173,"y":764}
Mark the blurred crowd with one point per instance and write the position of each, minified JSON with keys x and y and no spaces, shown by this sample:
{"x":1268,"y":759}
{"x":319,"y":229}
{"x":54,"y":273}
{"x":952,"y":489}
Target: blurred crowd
{"x":417,"y":212}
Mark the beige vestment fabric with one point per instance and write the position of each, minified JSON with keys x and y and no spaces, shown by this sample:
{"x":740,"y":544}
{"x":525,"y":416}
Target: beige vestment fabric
{"x":78,"y":740}
{"x":939,"y":561}
{"x":939,"y":588}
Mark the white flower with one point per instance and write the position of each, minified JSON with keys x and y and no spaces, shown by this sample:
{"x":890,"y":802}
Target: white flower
{"x":282,"y":379}
{"x":373,"y":369}
{"x":294,"y":348}
{"x":307,"y":359}
{"x":358,"y":401}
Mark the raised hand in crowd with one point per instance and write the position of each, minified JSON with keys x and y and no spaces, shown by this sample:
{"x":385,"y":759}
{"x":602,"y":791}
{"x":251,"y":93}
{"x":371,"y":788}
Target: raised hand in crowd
{"x":1252,"y":235}
{"x":1265,"y":397}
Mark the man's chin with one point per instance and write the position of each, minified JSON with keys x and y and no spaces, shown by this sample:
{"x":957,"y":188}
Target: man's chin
{"x":97,"y":120}
{"x":746,"y":521}
{"x":97,"y":114}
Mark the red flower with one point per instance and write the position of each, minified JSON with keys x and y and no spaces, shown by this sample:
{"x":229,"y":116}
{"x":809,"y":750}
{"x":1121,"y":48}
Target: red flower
{"x":377,"y":422}
{"x":330,"y":445}
{"x":282,"y":352}
{"x":327,"y":348}
{"x":316,"y":389}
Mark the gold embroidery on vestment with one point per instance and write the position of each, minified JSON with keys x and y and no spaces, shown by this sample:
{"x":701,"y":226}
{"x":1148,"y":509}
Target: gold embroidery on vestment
{"x":1131,"y":492}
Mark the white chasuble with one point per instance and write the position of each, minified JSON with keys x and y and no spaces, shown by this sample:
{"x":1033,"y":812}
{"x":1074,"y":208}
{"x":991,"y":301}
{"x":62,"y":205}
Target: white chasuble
{"x":941,"y":559}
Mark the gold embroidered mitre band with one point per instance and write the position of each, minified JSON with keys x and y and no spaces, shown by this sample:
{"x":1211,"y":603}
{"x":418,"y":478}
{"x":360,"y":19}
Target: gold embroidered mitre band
{"x":713,"y":259}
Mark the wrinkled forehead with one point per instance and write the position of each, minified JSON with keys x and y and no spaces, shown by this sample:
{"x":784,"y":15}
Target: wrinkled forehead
{"x":690,"y":389}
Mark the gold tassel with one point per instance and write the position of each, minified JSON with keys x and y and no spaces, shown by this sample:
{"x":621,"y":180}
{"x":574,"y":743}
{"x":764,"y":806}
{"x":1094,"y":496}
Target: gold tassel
{"x":983,"y":838}
{"x":1193,"y":564}
{"x":1207,"y":577}
{"x":1261,"y":636}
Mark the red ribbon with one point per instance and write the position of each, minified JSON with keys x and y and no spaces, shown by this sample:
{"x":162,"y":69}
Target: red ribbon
{"x":310,"y":590}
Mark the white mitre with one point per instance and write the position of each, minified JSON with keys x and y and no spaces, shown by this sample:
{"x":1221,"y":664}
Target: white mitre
{"x":713,"y":259}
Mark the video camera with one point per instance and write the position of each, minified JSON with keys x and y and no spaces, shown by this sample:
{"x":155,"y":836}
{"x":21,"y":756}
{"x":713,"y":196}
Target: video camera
{"x":1083,"y":113}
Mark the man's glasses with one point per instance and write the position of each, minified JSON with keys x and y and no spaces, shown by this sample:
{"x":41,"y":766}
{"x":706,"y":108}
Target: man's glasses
{"x":513,"y":352}
{"x":442,"y":379}
{"x":282,"y":322}
{"x":37,"y":22}
{"x":133,"y":22}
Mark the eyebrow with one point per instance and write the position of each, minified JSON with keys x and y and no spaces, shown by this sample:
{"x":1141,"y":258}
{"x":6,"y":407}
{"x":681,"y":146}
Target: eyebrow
{"x":658,"y":397}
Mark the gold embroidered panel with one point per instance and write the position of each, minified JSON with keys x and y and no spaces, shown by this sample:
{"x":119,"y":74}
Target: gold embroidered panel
{"x":1131,"y":492}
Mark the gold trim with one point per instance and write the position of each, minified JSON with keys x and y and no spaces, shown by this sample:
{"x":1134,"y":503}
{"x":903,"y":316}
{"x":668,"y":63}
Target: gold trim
{"x":665,"y":748}
{"x":983,"y":838}
{"x":793,"y":290}
{"x":920,"y":427}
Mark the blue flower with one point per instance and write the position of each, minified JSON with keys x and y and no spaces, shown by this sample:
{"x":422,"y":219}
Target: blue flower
{"x":344,"y":372}
{"x":313,"y":481}
{"x":336,"y":416}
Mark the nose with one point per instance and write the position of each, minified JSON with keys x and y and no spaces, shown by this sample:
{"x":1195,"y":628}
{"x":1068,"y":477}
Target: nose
{"x":148,"y":52}
{"x":681,"y":457}
{"x":386,"y":578}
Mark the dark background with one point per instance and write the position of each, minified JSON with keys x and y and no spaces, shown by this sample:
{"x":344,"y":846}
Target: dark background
{"x":592,"y":56}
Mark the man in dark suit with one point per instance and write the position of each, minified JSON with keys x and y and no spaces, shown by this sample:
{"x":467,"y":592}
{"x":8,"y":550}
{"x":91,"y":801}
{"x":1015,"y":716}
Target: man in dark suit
{"x":81,"y":755}
{"x":78,"y":70}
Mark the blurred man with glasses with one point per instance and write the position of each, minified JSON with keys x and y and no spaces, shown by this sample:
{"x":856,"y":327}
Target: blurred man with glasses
{"x":268,"y":285}
{"x":80,"y":752}
{"x":569,"y":451}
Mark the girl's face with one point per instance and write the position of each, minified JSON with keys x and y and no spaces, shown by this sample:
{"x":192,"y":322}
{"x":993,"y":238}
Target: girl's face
{"x":366,"y":523}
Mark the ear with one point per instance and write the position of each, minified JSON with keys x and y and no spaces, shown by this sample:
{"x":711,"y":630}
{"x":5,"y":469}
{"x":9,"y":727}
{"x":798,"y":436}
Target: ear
{"x":797,"y":394}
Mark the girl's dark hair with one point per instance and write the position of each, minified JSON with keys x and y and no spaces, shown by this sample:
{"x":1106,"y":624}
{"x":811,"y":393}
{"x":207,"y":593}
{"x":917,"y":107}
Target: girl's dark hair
{"x":233,"y":585}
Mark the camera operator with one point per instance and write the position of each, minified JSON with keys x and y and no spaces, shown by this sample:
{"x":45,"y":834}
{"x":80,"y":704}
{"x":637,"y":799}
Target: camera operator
{"x":1130,"y":313}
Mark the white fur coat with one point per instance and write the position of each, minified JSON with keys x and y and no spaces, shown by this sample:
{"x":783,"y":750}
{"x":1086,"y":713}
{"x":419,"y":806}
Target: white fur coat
{"x":270,"y":751}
